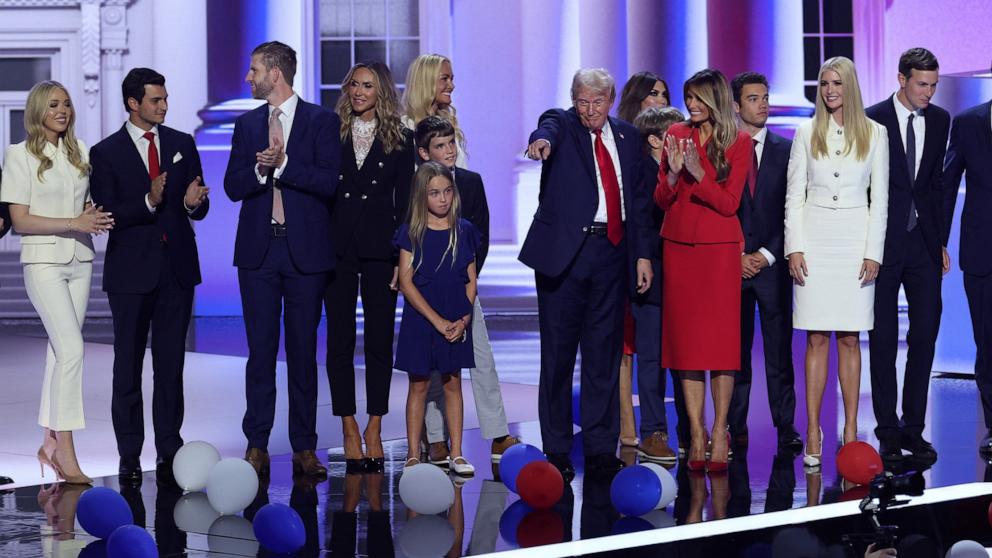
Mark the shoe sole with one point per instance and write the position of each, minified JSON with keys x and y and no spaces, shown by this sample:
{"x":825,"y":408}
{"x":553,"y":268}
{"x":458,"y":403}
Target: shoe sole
{"x":655,"y":459}
{"x":443,"y":464}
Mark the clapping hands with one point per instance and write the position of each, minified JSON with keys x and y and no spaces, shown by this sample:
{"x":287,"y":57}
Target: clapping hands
{"x":682,"y":154}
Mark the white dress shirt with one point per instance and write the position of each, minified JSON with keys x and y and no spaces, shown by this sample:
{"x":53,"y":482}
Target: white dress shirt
{"x":759,"y":149}
{"x":611,"y":147}
{"x":288,"y":108}
{"x":141,"y":144}
{"x":919,"y":129}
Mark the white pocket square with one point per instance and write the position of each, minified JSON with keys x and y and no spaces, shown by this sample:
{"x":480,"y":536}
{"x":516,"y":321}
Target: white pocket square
{"x":177,"y":158}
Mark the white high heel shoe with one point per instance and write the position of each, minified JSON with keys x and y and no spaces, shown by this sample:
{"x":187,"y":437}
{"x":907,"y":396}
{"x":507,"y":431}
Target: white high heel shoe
{"x":813,"y":459}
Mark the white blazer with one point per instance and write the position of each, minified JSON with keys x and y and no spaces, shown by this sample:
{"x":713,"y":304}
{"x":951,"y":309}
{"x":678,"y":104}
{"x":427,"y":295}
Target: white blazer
{"x":837,"y":181}
{"x":62,"y":194}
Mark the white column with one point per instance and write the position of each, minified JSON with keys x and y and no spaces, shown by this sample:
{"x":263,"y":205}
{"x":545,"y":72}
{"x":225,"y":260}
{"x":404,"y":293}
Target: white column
{"x":285,"y":23}
{"x":113,"y":45}
{"x":182,"y":58}
{"x":602,"y":32}
{"x":668,"y":38}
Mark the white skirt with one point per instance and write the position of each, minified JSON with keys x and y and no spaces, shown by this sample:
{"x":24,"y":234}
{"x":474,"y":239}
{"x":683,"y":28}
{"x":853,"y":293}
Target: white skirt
{"x":833,"y":298}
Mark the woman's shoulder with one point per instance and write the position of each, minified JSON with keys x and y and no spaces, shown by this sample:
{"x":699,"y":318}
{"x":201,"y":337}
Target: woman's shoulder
{"x":17,"y":148}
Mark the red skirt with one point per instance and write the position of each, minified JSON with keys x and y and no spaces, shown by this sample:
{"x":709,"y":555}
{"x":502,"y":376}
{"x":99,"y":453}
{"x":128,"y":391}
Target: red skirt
{"x":701,"y":306}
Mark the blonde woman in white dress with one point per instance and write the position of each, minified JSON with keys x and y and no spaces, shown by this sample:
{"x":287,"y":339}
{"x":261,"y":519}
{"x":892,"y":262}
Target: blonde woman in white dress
{"x":835,"y":213}
{"x":46,"y":183}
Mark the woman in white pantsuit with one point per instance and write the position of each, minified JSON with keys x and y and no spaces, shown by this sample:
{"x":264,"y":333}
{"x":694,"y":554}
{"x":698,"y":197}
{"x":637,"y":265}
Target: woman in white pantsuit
{"x":835,"y":214}
{"x":47,"y":186}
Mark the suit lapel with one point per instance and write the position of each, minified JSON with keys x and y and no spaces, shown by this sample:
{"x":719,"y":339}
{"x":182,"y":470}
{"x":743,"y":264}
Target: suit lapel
{"x":581,"y":136}
{"x":132,"y":157}
{"x":371,"y":160}
{"x":299,"y":127}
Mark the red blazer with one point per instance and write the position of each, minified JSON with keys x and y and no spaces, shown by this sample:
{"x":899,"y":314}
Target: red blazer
{"x":704,"y":212}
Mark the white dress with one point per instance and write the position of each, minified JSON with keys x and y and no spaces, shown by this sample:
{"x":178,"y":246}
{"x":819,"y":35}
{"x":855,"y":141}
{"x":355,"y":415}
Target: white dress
{"x":835,"y":214}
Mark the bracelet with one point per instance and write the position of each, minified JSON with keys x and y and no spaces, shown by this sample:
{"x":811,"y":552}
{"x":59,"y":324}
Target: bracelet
{"x":68,"y":225}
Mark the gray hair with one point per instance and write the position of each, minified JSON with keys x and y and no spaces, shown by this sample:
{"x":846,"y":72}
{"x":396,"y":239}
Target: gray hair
{"x":596,"y":79}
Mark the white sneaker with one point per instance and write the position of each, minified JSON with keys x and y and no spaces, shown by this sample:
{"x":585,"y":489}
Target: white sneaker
{"x":461,"y":466}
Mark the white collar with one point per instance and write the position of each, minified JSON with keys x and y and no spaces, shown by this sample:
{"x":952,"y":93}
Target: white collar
{"x":288,"y":107}
{"x":901,"y":111}
{"x":761,"y":136}
{"x":137,"y":133}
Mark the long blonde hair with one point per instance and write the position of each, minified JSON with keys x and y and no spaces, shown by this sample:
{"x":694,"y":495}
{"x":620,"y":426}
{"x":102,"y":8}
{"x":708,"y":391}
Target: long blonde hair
{"x":421,"y":86}
{"x":34,"y":118}
{"x":710,"y":87}
{"x":389,"y":128}
{"x":418,"y":212}
{"x":857,"y":129}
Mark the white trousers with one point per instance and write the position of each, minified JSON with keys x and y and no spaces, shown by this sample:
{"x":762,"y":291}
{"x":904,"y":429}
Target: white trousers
{"x":485,"y":388}
{"x":60,"y":293}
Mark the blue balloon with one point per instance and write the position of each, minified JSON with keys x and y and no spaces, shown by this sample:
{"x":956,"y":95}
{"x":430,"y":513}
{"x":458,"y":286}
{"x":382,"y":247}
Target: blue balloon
{"x":101,"y":511}
{"x":510,"y":520}
{"x":97,"y":548}
{"x":635,"y":490}
{"x":514,"y":459}
{"x":279,"y":529}
{"x":131,"y":541}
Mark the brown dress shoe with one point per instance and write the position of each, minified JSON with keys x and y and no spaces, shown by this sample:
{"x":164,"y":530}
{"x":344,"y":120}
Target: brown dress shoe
{"x":656,"y":449}
{"x":306,"y":463}
{"x":259,"y":460}
{"x":439,"y":454}
{"x":498,"y":448}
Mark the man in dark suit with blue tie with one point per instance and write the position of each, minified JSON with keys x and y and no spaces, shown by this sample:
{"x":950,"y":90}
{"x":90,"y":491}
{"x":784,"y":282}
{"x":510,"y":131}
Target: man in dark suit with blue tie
{"x":970,"y":153}
{"x":591,"y":218}
{"x":765,"y":284}
{"x":150,"y":175}
{"x":915,"y":257}
{"x":283,"y":169}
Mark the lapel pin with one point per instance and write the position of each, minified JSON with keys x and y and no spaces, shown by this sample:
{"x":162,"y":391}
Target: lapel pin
{"x":380,"y":164}
{"x":621,"y":135}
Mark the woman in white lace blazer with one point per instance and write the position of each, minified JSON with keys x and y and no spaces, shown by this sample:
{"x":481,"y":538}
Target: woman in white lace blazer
{"x":835,"y":215}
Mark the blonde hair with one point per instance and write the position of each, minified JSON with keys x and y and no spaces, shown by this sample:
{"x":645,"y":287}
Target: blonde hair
{"x":421,"y":87}
{"x":857,"y":128}
{"x":389,"y":128}
{"x":710,"y":88}
{"x":34,"y":124}
{"x":418,"y":212}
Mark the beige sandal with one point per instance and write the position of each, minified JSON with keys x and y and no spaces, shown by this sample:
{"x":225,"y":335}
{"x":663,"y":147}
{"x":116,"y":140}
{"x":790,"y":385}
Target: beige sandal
{"x":411,"y":462}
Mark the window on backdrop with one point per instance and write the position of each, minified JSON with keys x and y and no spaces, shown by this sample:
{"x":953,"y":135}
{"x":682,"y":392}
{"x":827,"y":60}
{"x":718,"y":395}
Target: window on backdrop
{"x":19,"y":71}
{"x":358,"y":30}
{"x":828,"y":31}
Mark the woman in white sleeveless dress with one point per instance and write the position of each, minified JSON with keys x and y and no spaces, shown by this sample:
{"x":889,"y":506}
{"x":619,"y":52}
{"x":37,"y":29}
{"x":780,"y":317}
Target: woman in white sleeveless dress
{"x":835,"y":215}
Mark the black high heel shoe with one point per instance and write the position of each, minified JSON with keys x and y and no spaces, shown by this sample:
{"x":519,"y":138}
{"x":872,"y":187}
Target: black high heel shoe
{"x":354,"y":465}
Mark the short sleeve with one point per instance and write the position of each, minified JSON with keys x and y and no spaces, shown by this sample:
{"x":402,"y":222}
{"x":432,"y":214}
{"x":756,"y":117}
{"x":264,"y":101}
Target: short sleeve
{"x":16,"y":181}
{"x":470,"y":240}
{"x":401,"y":240}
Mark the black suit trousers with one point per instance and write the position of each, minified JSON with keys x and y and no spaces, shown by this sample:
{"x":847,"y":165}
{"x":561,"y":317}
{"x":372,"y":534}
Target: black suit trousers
{"x":921,"y":278}
{"x":978,"y":289}
{"x":167,"y":310}
{"x":371,"y":278}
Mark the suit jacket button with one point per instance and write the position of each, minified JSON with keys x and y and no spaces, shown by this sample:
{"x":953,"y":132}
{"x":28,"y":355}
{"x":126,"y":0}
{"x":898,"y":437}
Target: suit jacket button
{"x":340,"y":177}
{"x":380,"y":164}
{"x":837,"y":152}
{"x":347,"y":195}
{"x":364,"y":197}
{"x":374,"y":182}
{"x":585,"y":229}
{"x":835,"y":198}
{"x":836,"y":174}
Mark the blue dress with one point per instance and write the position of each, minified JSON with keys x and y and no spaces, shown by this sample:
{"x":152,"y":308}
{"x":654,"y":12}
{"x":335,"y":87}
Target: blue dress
{"x":420,"y":348}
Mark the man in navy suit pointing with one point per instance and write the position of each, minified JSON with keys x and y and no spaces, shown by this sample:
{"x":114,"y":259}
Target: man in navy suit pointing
{"x":592,"y":217}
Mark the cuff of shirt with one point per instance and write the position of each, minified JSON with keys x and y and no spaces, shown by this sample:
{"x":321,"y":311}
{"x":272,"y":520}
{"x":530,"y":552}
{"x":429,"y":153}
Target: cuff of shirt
{"x":768,"y":256}
{"x":278,"y":172}
{"x":259,"y":175}
{"x":148,"y":204}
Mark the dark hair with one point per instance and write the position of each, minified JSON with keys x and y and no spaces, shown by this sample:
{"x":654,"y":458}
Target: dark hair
{"x":430,"y":128}
{"x":278,"y":55}
{"x":655,"y":121}
{"x":635,"y":91}
{"x":133,"y":86}
{"x":917,"y":59}
{"x":746,"y":78}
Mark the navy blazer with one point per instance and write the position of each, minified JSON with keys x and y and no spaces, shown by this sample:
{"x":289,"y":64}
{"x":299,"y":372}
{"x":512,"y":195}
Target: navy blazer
{"x":475,"y":210}
{"x":654,"y":218}
{"x":925,"y":191}
{"x":119,"y":182}
{"x":569,"y":193}
{"x":308,"y":184}
{"x":969,"y":152}
{"x":762,"y":215}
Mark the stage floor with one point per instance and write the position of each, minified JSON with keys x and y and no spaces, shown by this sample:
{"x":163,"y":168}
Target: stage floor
{"x":751,"y":500}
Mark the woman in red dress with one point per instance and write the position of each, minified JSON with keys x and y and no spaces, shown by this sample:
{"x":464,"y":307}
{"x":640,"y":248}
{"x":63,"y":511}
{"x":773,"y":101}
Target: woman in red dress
{"x":700,"y":181}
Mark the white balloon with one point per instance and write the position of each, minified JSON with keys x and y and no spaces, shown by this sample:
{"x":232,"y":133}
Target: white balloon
{"x":192,"y":463}
{"x":232,"y":485}
{"x":967,"y":549}
{"x":659,"y":518}
{"x":669,"y":488}
{"x":193,"y":513}
{"x":426,"y":535}
{"x":425,"y":489}
{"x":232,"y":534}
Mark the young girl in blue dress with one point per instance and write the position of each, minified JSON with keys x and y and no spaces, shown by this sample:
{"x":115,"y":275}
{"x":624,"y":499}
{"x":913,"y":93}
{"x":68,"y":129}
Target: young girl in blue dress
{"x":437,"y":278}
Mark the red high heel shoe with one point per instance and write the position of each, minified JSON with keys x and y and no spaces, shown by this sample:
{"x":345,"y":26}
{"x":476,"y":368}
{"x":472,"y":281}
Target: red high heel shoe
{"x":698,"y":465}
{"x":714,"y":466}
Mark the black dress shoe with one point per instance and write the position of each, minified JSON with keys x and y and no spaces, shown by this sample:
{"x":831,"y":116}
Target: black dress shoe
{"x":891,"y":452}
{"x":129,"y":470}
{"x":921,"y":449}
{"x":563,"y":464}
{"x":6,"y":480}
{"x":603,"y":465}
{"x":985,"y":447}
{"x":789,"y":440}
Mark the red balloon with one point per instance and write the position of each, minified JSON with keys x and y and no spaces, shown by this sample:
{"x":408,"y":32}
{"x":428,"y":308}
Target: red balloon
{"x":858,"y":462}
{"x":539,"y":528}
{"x":540,"y":485}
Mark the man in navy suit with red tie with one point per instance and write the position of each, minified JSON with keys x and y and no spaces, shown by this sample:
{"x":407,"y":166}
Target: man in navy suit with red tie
{"x":591,"y":218}
{"x":969,"y":153}
{"x":915,"y":257}
{"x":149,"y":175}
{"x":283,"y":169}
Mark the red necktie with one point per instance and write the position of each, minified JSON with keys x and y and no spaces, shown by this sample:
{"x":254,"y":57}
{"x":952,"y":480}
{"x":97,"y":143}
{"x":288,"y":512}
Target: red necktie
{"x":752,"y":174}
{"x":611,"y":189}
{"x":152,"y":155}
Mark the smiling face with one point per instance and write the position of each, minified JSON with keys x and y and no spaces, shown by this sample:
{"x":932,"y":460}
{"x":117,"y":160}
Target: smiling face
{"x":657,"y":97}
{"x":444,"y":85}
{"x":440,"y":194}
{"x":753,"y":108}
{"x":698,"y":111}
{"x":152,"y":108}
{"x":831,"y":90}
{"x":58,"y":115}
{"x":918,"y":88}
{"x":259,"y":78}
{"x":442,"y":149}
{"x":363,"y":93}
{"x":593,"y":107}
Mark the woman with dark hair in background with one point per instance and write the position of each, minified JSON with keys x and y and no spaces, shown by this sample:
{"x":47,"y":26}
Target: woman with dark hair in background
{"x":700,"y":181}
{"x":642,"y":91}
{"x":371,"y":201}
